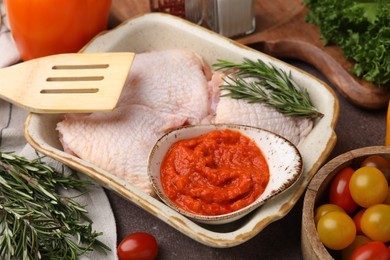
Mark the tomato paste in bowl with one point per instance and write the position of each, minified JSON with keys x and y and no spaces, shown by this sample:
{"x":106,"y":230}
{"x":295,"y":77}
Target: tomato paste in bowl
{"x":218,"y":173}
{"x":215,"y":173}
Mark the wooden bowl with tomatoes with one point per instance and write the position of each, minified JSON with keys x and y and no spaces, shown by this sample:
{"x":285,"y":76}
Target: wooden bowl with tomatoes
{"x":346,"y":209}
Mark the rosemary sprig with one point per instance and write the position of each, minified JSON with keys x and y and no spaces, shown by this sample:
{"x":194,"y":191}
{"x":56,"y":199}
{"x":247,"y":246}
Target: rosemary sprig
{"x":36,"y":221}
{"x":255,"y":81}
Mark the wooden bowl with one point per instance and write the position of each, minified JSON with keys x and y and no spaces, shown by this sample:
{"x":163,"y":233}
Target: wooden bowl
{"x":316,"y":194}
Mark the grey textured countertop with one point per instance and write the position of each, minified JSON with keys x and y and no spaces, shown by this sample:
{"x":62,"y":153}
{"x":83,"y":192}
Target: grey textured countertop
{"x":355,"y":128}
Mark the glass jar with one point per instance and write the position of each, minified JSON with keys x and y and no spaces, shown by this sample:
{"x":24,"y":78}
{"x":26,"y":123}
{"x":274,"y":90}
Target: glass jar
{"x":192,"y":10}
{"x":231,"y":18}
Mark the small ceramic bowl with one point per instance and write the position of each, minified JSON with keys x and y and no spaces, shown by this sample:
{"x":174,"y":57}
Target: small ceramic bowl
{"x":283,"y":158}
{"x":317,"y":192}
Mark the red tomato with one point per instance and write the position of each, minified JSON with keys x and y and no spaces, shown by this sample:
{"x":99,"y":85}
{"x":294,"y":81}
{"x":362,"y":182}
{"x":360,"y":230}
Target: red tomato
{"x":45,"y":27}
{"x":140,"y":246}
{"x":339,"y":193}
{"x":347,"y":252}
{"x":357,"y":219}
{"x":371,"y":250}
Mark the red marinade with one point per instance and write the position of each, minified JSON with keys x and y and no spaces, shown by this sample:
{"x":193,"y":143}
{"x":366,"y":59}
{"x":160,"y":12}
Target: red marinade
{"x":215,"y":173}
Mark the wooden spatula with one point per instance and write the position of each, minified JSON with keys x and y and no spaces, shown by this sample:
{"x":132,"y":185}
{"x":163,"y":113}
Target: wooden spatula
{"x":67,"y":83}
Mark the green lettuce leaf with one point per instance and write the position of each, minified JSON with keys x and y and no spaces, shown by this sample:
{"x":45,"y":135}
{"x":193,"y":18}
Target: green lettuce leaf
{"x":361,"y":29}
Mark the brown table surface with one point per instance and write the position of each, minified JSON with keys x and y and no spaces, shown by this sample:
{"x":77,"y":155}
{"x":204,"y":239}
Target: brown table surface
{"x":356,"y":128}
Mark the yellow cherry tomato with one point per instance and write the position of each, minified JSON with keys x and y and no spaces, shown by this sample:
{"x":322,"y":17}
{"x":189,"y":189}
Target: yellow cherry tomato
{"x":375,"y":222}
{"x":336,"y":230}
{"x":379,"y":162}
{"x":324,"y":209}
{"x":368,"y":186}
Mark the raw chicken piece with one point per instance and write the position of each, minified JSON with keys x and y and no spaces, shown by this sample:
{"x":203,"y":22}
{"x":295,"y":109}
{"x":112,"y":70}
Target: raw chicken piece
{"x":238,"y":111}
{"x":172,"y":81}
{"x":164,"y":90}
{"x":118,"y":142}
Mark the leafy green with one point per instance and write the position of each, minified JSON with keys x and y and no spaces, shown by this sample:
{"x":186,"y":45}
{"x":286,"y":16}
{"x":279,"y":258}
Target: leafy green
{"x":361,"y":29}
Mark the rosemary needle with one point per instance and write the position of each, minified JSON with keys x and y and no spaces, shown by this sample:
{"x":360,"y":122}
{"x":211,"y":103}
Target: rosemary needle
{"x":36,"y":221}
{"x":254,"y":81}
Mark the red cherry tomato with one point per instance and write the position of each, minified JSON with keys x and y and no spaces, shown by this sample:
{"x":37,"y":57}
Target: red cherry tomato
{"x":140,"y":246}
{"x":339,"y":193}
{"x":357,"y":219}
{"x":379,"y":162}
{"x":371,"y":250}
{"x":347,"y":252}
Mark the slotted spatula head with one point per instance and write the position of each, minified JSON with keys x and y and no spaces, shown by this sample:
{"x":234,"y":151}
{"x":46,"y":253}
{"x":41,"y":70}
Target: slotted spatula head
{"x":67,"y":83}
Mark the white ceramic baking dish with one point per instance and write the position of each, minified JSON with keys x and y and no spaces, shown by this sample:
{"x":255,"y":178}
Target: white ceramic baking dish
{"x":158,"y":32}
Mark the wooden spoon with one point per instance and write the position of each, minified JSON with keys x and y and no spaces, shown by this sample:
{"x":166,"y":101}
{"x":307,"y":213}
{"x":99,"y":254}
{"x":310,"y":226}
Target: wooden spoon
{"x":77,"y":83}
{"x":292,"y":37}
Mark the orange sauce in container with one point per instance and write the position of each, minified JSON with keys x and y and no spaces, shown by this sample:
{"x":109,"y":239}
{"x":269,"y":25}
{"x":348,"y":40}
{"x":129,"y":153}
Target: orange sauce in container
{"x":215,"y":173}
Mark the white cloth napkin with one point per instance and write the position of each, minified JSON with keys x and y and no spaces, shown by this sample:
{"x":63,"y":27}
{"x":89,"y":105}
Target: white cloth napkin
{"x":8,"y":52}
{"x":12,"y":120}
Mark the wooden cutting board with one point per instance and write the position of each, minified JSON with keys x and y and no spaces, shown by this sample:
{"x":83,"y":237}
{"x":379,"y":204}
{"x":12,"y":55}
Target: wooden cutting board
{"x":281,"y":31}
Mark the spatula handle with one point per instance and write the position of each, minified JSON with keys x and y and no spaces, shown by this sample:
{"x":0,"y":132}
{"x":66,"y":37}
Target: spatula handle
{"x":13,"y":81}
